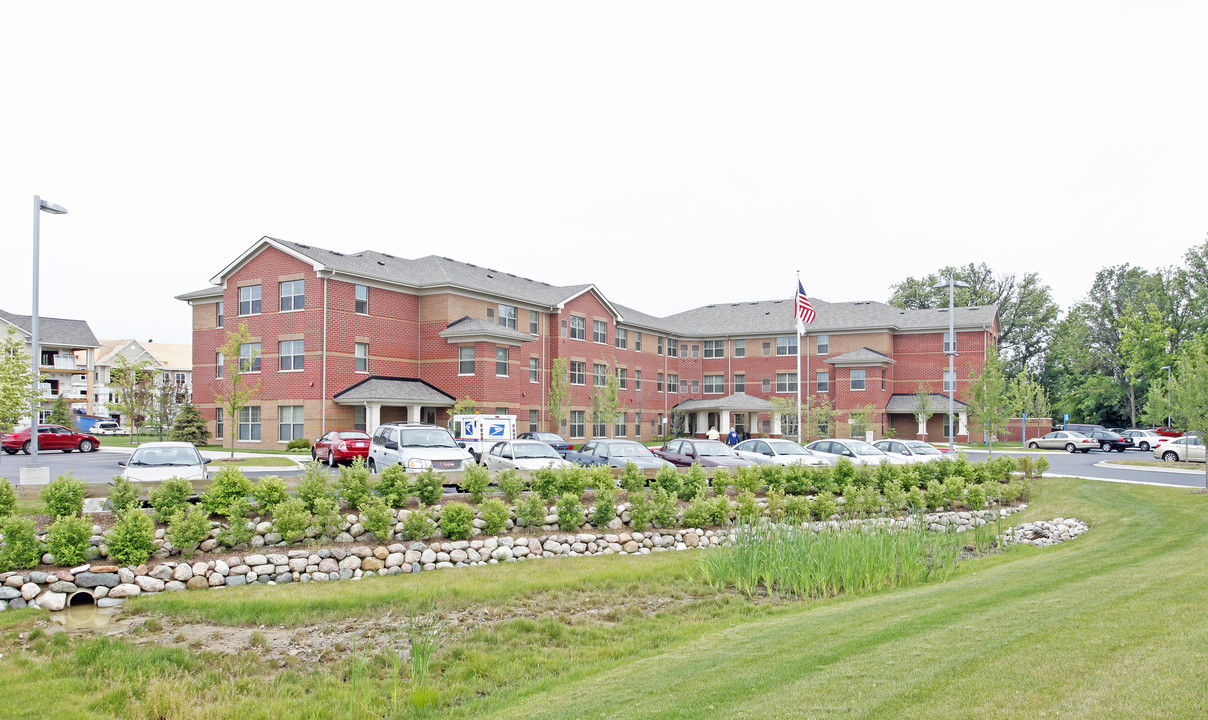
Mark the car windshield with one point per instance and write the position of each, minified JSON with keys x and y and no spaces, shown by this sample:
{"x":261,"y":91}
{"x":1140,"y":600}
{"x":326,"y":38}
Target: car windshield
{"x":548,"y":437}
{"x":428,"y":438}
{"x":713,"y":448}
{"x":1075,"y":435}
{"x":862,"y":448}
{"x":354,"y":436}
{"x":628,"y":450}
{"x":534,"y":450}
{"x":786,"y":447}
{"x":165,"y":456}
{"x":921,"y":448}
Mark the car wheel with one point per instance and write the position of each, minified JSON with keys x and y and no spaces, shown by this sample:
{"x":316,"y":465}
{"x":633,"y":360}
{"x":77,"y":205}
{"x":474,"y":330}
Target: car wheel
{"x":1170,"y":456}
{"x":86,"y":446}
{"x":331,"y":459}
{"x":314,"y":456}
{"x":25,"y":447}
{"x":1145,"y":446}
{"x":372,"y":466}
{"x":1034,"y":445}
{"x":1105,"y":446}
{"x":1069,"y":448}
{"x":10,"y":451}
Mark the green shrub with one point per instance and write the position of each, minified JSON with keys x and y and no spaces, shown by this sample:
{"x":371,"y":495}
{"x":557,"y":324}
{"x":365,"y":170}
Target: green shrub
{"x":418,"y":524}
{"x":64,"y":496}
{"x":429,"y":486}
{"x":325,"y":517}
{"x":823,"y":479}
{"x":291,"y":519}
{"x":122,"y":497}
{"x":8,"y":499}
{"x":21,"y":546}
{"x":895,"y":497}
{"x":269,"y":493}
{"x":237,"y":530}
{"x":747,"y":509}
{"x":864,"y":501}
{"x":1001,"y":468}
{"x":667,"y":479}
{"x":705,"y":512}
{"x":378,"y":518}
{"x":67,"y":539}
{"x":313,"y":486}
{"x":1026,"y":465}
{"x":531,"y":511}
{"x":1042,"y":466}
{"x":188,"y":530}
{"x":975,"y":497}
{"x":954,"y":490}
{"x":227,"y":486}
{"x":796,"y":480}
{"x":457,"y":521}
{"x":132,"y":539}
{"x":772,"y":476}
{"x":355,"y":484}
{"x":171,"y":495}
{"x":693,"y":482}
{"x":1012,"y":492}
{"x":495,"y":515}
{"x":933,"y":496}
{"x":748,"y":479}
{"x":474,"y":482}
{"x":573,"y":480}
{"x":633,"y":479}
{"x":719,"y":510}
{"x":606,"y":504}
{"x":845,"y":471}
{"x":570,"y":512}
{"x":823,"y":506}
{"x":546,"y":483}
{"x":797,"y":508}
{"x":666,"y":512}
{"x":600,"y":476}
{"x":510,"y":484}
{"x":298,"y":444}
{"x":776,"y":505}
{"x":915,"y":500}
{"x":888,"y":475}
{"x":394,"y":485}
{"x":641,"y":511}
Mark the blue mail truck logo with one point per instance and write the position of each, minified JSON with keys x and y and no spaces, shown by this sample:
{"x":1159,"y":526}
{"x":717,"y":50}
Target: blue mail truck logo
{"x":495,"y":431}
{"x":467,"y":428}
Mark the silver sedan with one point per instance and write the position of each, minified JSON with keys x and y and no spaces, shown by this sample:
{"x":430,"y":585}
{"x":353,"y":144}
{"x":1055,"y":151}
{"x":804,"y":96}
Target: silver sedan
{"x":777,"y":452}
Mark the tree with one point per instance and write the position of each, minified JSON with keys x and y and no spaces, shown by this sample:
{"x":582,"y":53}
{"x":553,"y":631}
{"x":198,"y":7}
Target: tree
{"x":17,"y":394}
{"x":1027,"y":397}
{"x":237,"y":389}
{"x":606,"y":403}
{"x":1145,"y":340}
{"x":822,"y":415}
{"x":190,"y":426}
{"x":987,"y":396}
{"x":859,"y":419}
{"x":1183,"y":400}
{"x":559,"y":393}
{"x":923,"y":410}
{"x":465,"y":406}
{"x":787,"y":409}
{"x":1026,"y":310}
{"x":133,"y":397}
{"x":165,"y":402}
{"x":60,"y":414}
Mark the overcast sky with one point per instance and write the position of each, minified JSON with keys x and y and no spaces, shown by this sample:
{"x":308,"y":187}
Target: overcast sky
{"x":674,"y":154}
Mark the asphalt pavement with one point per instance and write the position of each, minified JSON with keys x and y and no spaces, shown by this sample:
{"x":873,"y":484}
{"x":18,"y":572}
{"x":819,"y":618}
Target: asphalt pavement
{"x":1094,"y":465}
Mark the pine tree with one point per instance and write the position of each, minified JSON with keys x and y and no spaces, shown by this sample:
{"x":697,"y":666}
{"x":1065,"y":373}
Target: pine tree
{"x":60,"y":414}
{"x":190,"y":426}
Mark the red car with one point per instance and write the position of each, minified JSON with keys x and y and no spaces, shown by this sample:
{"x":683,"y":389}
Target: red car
{"x":50,"y":437}
{"x":340,"y":446}
{"x":1168,"y":432}
{"x":683,"y":452}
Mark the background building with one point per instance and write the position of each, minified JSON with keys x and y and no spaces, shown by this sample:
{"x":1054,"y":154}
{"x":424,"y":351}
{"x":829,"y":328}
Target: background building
{"x":67,"y":351}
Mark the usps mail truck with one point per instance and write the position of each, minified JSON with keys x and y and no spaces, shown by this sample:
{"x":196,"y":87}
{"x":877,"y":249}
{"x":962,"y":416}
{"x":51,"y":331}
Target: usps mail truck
{"x":477,"y":433}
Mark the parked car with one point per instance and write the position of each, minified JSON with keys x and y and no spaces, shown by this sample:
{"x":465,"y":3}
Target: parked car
{"x":1168,"y":432}
{"x":1083,"y":428}
{"x":417,"y":447}
{"x":615,"y":453}
{"x":857,"y":451}
{"x":1188,"y":448}
{"x":50,"y":437}
{"x":682,"y":452}
{"x":108,"y":427}
{"x":340,"y":446}
{"x":913,"y":450}
{"x":523,"y":455}
{"x":774,"y":451}
{"x":158,"y":461}
{"x":1109,"y":441}
{"x":1063,"y":440}
{"x":1145,"y":440}
{"x":554,"y":440}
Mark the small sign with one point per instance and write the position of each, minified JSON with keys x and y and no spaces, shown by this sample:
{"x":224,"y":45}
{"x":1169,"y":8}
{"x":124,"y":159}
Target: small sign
{"x":1065,"y":421}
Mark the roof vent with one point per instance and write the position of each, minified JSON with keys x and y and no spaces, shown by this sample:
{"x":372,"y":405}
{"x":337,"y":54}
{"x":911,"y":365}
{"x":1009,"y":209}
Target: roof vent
{"x":710,"y":306}
{"x":301,"y":245}
{"x":972,"y":307}
{"x":490,"y":275}
{"x":388,"y":255}
{"x":777,"y":301}
{"x":381,"y":263}
{"x":735,"y":304}
{"x":333,"y":252}
{"x":767,"y":312}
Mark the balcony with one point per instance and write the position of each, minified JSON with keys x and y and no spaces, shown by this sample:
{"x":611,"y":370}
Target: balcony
{"x":62,"y":363}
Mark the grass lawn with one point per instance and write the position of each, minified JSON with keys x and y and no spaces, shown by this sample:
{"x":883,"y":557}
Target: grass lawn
{"x":253,"y":462}
{"x":125,"y":441}
{"x":1159,"y":464}
{"x":1110,"y":625}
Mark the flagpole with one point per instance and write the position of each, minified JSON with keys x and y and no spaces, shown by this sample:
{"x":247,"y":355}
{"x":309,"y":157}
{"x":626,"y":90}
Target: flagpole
{"x":800,"y":379}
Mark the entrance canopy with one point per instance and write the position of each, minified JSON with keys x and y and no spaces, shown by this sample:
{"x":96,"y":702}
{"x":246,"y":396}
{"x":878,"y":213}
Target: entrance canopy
{"x":375,"y":392}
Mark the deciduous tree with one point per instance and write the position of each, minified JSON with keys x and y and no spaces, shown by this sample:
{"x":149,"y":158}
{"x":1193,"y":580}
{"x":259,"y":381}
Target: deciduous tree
{"x":987,"y":396}
{"x":1183,"y":399}
{"x":133,"y":396}
{"x":559,"y":394}
{"x":237,"y":388}
{"x":17,"y":394}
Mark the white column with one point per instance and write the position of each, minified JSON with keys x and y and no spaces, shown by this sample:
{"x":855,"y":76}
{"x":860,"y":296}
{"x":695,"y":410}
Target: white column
{"x":373,"y":416}
{"x":702,"y":422}
{"x":724,"y":429}
{"x":922,"y":429}
{"x":413,"y":413}
{"x":961,"y":423}
{"x":775,"y":422}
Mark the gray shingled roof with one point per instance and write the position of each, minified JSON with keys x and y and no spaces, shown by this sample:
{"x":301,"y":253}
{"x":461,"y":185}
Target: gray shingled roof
{"x":908,"y":403}
{"x":473,"y":327}
{"x":772,"y":317}
{"x":863,"y":356}
{"x":55,"y":331}
{"x":394,"y":390}
{"x":738,"y":402}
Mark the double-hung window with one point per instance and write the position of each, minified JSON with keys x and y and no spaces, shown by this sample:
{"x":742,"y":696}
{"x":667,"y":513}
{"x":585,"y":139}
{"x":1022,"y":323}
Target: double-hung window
{"x":361,"y":355}
{"x":362,"y":300}
{"x":249,"y":300}
{"x":786,"y":345}
{"x":949,"y":381}
{"x":715,"y":384}
{"x":673,"y":383}
{"x":534,"y":370}
{"x":219,"y":425}
{"x":578,"y":372}
{"x":823,"y":344}
{"x":786,"y":382}
{"x":857,"y":379}
{"x":715,"y":348}
{"x":291,"y":355}
{"x":740,"y":348}
{"x":507,"y":316}
{"x":249,"y":357}
{"x":578,"y":328}
{"x":293,"y":295}
{"x":823,"y":381}
{"x":740,"y":382}
{"x":219,"y":361}
{"x":599,"y":331}
{"x":465,"y":360}
{"x":622,"y":379}
{"x":289,"y":423}
{"x":577,"y":419}
{"x":501,"y":362}
{"x":637,"y":380}
{"x":220,"y":309}
{"x":599,"y":375}
{"x":249,"y":423}
{"x":622,"y":338}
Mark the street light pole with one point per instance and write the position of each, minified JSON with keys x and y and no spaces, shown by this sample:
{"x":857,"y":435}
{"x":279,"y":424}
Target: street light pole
{"x":1169,"y":397}
{"x":952,"y":284}
{"x":40,"y":206}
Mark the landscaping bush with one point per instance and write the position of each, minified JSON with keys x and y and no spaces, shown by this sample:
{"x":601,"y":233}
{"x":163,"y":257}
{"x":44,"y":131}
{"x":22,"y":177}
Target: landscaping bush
{"x":313,"y":486}
{"x":844,"y":472}
{"x":915,"y":500}
{"x":864,"y":501}
{"x":429,"y":487}
{"x":188,"y":530}
{"x":600,"y":476}
{"x":772,"y":476}
{"x":474,"y":482}
{"x":641,"y":510}
{"x":394,"y":485}
{"x":21,"y":546}
{"x":797,"y":508}
{"x":495,"y":515}
{"x":269,"y":493}
{"x":747,"y":509}
{"x":666,"y":512}
{"x":705,"y":512}
{"x":237,"y":530}
{"x":457,"y":521}
{"x":895,"y":497}
{"x":291,"y":519}
{"x":1012,"y":492}
{"x":1026,"y":465}
{"x":1042,"y":465}
{"x":776,"y":505}
{"x":570,"y":512}
{"x":510,"y":484}
{"x":822,"y":479}
{"x":1000,"y":469}
{"x":888,"y":475}
{"x":747,"y":479}
{"x":325,"y":517}
{"x":171,"y":495}
{"x":975,"y":497}
{"x":933,"y":496}
{"x":298,"y":444}
{"x":693,"y":483}
{"x":796,"y":480}
{"x":545,"y":483}
{"x":355,"y":485}
{"x":67,"y":539}
{"x":721,"y":480}
{"x":953,"y":490}
{"x":572,"y":480}
{"x":667,"y":479}
{"x":64,"y":496}
{"x":823,"y":506}
{"x":418,"y":524}
{"x":378,"y":518}
{"x":606,"y":504}
{"x":531,"y":511}
{"x":132,"y":539}
{"x":8,"y":498}
{"x":227,"y":486}
{"x":633,"y":479}
{"x":122,"y":497}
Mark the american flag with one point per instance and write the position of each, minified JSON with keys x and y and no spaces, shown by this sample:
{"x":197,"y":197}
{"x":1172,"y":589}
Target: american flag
{"x":804,"y":312}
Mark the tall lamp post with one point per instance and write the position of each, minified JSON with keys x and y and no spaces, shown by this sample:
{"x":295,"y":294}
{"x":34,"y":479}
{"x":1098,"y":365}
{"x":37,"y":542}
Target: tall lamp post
{"x":952,"y":284}
{"x":40,"y":206}
{"x":1168,"y":395}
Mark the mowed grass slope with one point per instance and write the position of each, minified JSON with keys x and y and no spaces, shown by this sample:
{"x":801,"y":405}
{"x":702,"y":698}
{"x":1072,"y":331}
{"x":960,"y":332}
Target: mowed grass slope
{"x":1110,"y":625}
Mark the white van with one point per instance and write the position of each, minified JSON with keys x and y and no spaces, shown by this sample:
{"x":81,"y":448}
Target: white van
{"x":479,"y":433}
{"x":417,"y":447}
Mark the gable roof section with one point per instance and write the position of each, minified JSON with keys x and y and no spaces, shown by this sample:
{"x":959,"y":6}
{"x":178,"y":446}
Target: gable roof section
{"x":863,"y":356}
{"x":394,"y":390}
{"x":54,"y":331}
{"x":909,"y":403}
{"x":478,"y":330}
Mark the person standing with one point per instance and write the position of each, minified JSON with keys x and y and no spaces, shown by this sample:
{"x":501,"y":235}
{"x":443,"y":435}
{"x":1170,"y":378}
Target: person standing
{"x":713,"y":434}
{"x":733,"y":438}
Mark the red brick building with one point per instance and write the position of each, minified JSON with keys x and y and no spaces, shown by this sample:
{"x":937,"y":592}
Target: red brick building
{"x":353,"y":340}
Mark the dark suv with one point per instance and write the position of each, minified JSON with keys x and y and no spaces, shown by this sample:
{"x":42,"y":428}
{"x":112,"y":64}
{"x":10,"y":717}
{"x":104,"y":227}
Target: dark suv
{"x":1109,"y":441}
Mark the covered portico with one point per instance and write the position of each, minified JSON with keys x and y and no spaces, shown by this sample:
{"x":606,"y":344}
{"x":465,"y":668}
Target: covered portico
{"x":905,"y":409}
{"x":743,"y":408}
{"x":386,"y":398}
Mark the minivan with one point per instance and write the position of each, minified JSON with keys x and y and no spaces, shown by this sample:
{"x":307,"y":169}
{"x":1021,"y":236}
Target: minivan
{"x":417,"y":447}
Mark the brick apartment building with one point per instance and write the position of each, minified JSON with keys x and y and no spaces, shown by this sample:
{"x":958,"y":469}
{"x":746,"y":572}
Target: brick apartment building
{"x":354,"y":340}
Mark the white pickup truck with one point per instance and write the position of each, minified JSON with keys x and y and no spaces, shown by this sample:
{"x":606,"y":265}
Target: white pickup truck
{"x":477,"y":433}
